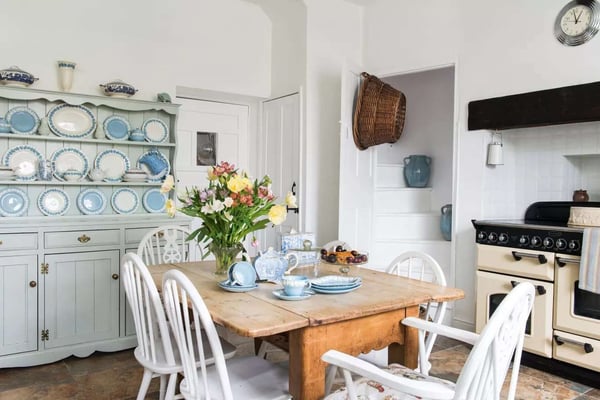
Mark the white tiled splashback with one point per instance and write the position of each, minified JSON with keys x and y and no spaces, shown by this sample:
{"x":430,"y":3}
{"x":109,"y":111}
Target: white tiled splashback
{"x":542,"y":164}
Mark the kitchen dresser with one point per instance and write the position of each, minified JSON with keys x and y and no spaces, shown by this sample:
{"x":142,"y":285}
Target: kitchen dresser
{"x":60,"y":290}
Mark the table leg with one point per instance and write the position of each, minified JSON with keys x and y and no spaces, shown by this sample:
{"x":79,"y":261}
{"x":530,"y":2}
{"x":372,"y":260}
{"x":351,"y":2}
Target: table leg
{"x":355,"y":336}
{"x":407,"y":353}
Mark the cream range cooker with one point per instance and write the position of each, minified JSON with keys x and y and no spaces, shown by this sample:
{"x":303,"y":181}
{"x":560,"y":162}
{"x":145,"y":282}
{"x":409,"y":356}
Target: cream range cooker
{"x":562,"y":335}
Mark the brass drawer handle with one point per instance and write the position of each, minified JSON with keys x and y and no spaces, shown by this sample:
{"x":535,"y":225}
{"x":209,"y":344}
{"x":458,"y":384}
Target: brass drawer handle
{"x":115,"y":276}
{"x":83,"y":238}
{"x":1,"y":242}
{"x":160,"y":234}
{"x":33,"y":283}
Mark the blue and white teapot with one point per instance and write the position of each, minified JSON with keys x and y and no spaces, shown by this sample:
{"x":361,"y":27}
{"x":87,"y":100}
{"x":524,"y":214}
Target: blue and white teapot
{"x":272,"y":265}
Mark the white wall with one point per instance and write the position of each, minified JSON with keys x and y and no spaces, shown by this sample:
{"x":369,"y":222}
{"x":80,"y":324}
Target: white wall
{"x":333,"y":35}
{"x":428,"y":128}
{"x":155,"y":45}
{"x":500,"y":48}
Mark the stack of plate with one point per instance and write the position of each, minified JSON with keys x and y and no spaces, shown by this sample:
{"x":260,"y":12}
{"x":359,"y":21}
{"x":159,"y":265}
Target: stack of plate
{"x":6,"y":173}
{"x":135,"y":175}
{"x":334,"y":284}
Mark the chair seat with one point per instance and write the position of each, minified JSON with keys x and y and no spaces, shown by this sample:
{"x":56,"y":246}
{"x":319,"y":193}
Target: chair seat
{"x":252,"y":378}
{"x":372,"y":390}
{"x":162,"y":367}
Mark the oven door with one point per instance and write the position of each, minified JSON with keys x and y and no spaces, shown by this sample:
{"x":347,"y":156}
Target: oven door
{"x":491,"y":290}
{"x":577,"y":311}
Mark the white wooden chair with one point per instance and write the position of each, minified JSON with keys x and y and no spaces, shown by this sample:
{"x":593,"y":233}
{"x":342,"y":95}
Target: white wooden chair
{"x":240,"y":378}
{"x":155,"y":351}
{"x":421,"y":266}
{"x":482,"y":375}
{"x":168,"y":244}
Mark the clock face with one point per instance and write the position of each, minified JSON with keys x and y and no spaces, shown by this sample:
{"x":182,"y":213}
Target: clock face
{"x":576,"y":20}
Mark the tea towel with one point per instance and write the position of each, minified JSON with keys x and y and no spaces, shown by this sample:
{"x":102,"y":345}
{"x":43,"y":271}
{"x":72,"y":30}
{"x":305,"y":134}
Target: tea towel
{"x":589,"y":269}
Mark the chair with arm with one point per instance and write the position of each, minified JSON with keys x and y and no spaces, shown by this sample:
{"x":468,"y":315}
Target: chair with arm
{"x":155,"y":351}
{"x":238,"y":378}
{"x":482,"y":375}
{"x":167,"y":244}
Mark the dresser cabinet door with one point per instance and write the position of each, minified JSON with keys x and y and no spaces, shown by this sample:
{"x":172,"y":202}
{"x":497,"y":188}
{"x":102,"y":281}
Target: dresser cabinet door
{"x":81,"y":298}
{"x":18,"y":304}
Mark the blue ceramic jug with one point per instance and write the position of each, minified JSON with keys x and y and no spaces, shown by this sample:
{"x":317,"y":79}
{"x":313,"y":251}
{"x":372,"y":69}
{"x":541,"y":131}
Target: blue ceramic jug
{"x":446,"y":221}
{"x":416,"y":170}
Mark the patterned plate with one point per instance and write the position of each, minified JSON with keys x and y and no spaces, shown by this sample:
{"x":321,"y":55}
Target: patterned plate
{"x":24,"y":157}
{"x":13,"y":202}
{"x":23,"y":120}
{"x":71,"y":121}
{"x":113,"y":163}
{"x":116,"y":128}
{"x":69,"y":158}
{"x":53,"y":202}
{"x":91,"y":202}
{"x":124,"y":201}
{"x":155,"y":130}
{"x":154,"y":201}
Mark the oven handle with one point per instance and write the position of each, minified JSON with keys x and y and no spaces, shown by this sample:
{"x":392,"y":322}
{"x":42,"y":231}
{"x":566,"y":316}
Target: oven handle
{"x":562,"y":261}
{"x":588,"y":348}
{"x":539,"y":288}
{"x":517,"y":255}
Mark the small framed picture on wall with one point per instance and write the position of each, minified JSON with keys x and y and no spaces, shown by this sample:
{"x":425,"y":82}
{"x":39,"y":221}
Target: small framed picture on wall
{"x":206,"y":148}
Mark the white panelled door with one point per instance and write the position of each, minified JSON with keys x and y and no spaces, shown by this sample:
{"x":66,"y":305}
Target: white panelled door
{"x":281,"y":132}
{"x":357,"y":183}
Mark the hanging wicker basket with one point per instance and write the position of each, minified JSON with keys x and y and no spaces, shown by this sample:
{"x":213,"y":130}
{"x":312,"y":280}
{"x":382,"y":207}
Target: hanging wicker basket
{"x":379,"y":114}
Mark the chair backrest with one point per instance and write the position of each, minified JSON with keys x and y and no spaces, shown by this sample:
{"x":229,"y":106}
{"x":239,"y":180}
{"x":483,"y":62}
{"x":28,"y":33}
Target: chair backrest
{"x":484,"y":372}
{"x":167,"y":244}
{"x":186,"y":312}
{"x":421,"y":266}
{"x":151,"y":326}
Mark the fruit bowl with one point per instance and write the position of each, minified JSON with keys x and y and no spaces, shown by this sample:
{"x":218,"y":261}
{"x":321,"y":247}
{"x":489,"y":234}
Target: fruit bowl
{"x":342,"y":256}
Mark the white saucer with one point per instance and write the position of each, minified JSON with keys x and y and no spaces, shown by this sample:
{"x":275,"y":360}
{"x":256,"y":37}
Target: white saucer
{"x":281,"y":294}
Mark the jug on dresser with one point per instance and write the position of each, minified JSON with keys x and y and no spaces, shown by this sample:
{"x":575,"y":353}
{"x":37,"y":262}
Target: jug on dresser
{"x":446,"y":222}
{"x":416,"y":170}
{"x":272,"y":265}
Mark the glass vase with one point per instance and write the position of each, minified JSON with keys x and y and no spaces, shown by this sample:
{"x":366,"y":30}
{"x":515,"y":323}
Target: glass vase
{"x":224,"y":256}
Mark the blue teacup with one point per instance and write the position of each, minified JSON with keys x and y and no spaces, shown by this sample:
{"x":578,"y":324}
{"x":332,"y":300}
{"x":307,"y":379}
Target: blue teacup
{"x":294,"y":285}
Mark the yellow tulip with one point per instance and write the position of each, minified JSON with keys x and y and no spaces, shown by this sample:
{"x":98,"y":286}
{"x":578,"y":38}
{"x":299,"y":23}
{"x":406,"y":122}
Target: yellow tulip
{"x":236,"y":184}
{"x":168,"y":184}
{"x":277,"y":214}
{"x":170,"y":207}
{"x":290,"y":200}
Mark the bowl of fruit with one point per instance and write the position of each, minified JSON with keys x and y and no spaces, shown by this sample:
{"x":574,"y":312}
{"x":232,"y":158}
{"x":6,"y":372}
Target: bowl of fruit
{"x":342,"y":256}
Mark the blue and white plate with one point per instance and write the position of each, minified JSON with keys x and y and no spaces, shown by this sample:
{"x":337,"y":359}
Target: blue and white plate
{"x":23,"y":120}
{"x":113,"y":163}
{"x":333,"y":281}
{"x":336,"y":290}
{"x":69,"y":158}
{"x":53,"y":202}
{"x":71,"y":121}
{"x":124,"y":201}
{"x":280,"y":293}
{"x":117,"y":128}
{"x":24,"y":157}
{"x":226,"y":285}
{"x":13,"y":202}
{"x":155,"y":164}
{"x":154,"y":201}
{"x":91,"y":202}
{"x":155,"y":130}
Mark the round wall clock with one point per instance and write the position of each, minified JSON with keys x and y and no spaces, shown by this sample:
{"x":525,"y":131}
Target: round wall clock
{"x":577,"y":22}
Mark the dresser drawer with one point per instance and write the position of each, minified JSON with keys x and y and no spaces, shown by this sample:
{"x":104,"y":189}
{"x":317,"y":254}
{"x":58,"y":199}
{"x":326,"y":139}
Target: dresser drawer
{"x":83,"y":238}
{"x":18,"y":241}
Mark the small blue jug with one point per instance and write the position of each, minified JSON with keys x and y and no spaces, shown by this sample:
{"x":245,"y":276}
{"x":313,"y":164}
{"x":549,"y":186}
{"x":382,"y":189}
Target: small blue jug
{"x":416,"y":170}
{"x":446,"y":222}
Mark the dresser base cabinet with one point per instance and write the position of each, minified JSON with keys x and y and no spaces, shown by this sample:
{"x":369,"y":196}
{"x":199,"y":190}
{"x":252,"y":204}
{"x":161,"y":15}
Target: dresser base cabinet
{"x":62,"y":296}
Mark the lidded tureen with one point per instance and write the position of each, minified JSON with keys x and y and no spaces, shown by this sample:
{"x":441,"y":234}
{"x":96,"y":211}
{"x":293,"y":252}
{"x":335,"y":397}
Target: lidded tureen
{"x":16,"y":76}
{"x":118,"y":88}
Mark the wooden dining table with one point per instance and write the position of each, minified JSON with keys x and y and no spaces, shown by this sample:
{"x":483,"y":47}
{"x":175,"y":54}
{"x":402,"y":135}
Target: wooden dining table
{"x":357,"y":322}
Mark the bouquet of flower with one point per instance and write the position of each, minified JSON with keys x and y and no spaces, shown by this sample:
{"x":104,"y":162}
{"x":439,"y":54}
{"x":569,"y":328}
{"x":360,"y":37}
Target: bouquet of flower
{"x":230,"y":207}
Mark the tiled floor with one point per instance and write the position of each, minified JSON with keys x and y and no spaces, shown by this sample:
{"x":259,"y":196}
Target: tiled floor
{"x":117,"y":376}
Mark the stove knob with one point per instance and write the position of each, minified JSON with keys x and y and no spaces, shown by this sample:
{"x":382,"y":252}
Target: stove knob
{"x":574,"y":245}
{"x":548,"y":242}
{"x":481,"y":236}
{"x":561,"y":244}
{"x":492,"y":237}
{"x":524,"y":240}
{"x":536,"y":241}
{"x":503,"y":238}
